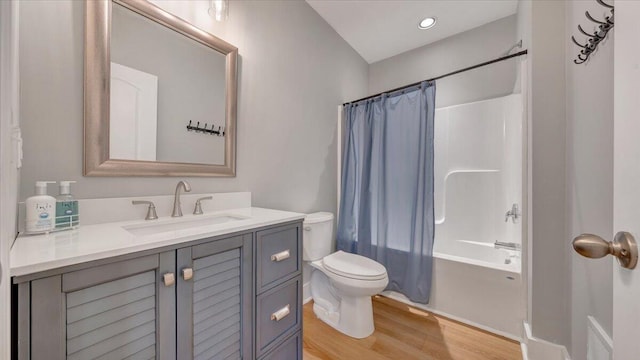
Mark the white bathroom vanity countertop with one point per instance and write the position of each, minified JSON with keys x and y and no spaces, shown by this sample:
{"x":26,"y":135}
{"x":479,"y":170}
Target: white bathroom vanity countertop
{"x":35,"y":253}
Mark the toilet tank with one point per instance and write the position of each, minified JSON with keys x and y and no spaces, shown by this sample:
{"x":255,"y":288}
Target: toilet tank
{"x":317,"y":238}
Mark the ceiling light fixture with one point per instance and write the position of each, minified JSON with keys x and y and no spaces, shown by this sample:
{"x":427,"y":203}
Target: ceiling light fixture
{"x":427,"y":23}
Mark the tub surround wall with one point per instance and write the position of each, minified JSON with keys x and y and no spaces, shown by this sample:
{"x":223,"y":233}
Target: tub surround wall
{"x":478,"y":169}
{"x":293,"y":70}
{"x":469,"y":48}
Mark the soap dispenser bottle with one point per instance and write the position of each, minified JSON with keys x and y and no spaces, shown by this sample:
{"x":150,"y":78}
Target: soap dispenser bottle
{"x":67,"y":212}
{"x":40,"y":210}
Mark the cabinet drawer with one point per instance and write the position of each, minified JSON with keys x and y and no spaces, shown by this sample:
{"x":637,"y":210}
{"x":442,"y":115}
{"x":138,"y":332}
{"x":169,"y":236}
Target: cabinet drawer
{"x":277,"y":255}
{"x":290,"y":349}
{"x":278,"y":314}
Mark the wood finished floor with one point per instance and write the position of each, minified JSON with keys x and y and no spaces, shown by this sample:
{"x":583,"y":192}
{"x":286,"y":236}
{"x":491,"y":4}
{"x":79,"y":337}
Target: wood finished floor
{"x":405,"y":333}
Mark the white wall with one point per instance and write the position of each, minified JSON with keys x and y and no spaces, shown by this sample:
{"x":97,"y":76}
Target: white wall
{"x":293,"y":68}
{"x":549,"y":271}
{"x":469,"y":48}
{"x":589,"y":174}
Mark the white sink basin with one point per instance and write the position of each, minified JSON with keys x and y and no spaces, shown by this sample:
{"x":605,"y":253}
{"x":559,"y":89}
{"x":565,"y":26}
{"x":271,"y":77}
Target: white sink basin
{"x":181,"y":224}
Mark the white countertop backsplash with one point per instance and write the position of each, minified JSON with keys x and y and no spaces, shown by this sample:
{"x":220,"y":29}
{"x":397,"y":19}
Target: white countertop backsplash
{"x":96,"y":239}
{"x":108,"y":210}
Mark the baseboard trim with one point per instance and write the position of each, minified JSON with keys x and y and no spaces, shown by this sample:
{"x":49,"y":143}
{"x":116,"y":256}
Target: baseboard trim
{"x":602,"y":341}
{"x":525,"y":351}
{"x":306,"y":293}
{"x":538,"y":349}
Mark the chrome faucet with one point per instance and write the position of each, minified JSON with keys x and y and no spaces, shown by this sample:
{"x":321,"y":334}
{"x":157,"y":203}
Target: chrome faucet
{"x":151,"y":210}
{"x":177,"y":209}
{"x":514,"y":214}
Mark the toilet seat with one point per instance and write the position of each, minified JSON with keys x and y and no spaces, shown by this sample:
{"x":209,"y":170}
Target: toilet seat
{"x":354,"y":266}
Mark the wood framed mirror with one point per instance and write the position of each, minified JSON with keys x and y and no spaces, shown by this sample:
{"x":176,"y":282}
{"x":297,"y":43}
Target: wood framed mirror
{"x":172,"y":113}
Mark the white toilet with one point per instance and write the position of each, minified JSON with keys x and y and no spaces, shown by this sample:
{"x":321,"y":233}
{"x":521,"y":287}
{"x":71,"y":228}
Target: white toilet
{"x":341,"y":283}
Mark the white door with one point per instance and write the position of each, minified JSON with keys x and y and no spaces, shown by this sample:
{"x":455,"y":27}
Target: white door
{"x":626,"y":183}
{"x":133,"y":114}
{"x":10,"y":156}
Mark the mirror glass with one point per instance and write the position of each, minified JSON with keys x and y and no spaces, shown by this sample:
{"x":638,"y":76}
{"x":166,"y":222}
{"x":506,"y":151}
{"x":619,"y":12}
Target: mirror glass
{"x":161,"y":82}
{"x":160,"y":95}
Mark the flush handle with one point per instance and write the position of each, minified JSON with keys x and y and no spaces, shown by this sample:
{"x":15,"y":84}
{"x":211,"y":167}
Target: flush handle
{"x":168,"y":279}
{"x":283,"y":255}
{"x":281,"y":314}
{"x":623,"y":247}
{"x":187,"y":273}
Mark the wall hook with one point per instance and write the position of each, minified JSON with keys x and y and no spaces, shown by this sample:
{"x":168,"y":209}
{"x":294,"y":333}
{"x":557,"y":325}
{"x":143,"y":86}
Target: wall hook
{"x":595,"y":34}
{"x":605,"y":4}
{"x":594,"y":20}
{"x":572,"y":38}
{"x":593,"y":39}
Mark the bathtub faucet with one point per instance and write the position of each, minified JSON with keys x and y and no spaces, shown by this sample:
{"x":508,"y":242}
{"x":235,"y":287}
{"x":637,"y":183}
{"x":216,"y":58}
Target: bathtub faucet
{"x":506,"y":245}
{"x":514,"y":214}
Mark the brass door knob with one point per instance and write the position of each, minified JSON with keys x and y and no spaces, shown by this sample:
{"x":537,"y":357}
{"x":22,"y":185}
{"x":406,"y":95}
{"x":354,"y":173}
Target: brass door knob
{"x":623,"y":247}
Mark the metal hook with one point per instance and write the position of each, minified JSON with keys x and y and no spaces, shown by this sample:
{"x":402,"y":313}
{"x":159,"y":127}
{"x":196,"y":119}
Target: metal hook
{"x":586,"y":33}
{"x":604,"y":4}
{"x":577,"y":43}
{"x":592,"y":19}
{"x":609,"y":20}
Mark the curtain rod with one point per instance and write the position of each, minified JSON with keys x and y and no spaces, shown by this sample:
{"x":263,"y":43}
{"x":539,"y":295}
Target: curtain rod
{"x":520,"y":53}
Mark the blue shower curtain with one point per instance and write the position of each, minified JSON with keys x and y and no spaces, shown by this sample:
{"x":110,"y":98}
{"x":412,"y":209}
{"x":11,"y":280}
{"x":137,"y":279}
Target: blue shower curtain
{"x":386,"y":208}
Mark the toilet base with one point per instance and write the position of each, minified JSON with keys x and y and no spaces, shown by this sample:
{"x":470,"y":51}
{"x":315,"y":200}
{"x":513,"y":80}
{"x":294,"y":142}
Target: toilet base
{"x":355,"y":317}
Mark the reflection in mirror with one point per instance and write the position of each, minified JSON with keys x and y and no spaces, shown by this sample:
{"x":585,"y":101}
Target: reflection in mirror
{"x":156,"y":74}
{"x":160,"y":81}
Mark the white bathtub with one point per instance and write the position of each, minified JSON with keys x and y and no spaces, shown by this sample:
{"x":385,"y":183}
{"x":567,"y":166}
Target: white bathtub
{"x":474,"y":284}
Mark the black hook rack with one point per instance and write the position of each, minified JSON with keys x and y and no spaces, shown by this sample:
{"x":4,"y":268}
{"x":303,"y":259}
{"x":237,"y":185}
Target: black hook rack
{"x":593,"y":39}
{"x":213,"y":131}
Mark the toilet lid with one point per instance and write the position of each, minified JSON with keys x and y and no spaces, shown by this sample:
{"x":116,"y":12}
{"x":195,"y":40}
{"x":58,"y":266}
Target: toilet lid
{"x":354,"y":266}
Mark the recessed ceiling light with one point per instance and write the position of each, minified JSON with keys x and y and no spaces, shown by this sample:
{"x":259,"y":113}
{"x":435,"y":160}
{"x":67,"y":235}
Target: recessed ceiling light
{"x":427,"y":23}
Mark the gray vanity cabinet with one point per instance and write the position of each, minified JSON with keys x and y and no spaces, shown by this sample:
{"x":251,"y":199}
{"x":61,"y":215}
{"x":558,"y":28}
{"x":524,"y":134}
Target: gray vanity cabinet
{"x":117,"y":310}
{"x":236,"y":296}
{"x":279,"y":293}
{"x":214,"y":299}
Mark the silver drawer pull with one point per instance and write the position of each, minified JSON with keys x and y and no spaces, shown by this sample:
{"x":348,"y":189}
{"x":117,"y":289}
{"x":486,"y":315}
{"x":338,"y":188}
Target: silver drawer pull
{"x":187,"y":273}
{"x":281,"y":256}
{"x":281,"y":314}
{"x":168,"y":279}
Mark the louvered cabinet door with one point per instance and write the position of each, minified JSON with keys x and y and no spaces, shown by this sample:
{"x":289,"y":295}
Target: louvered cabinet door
{"x":214,"y":301}
{"x":121,"y":310}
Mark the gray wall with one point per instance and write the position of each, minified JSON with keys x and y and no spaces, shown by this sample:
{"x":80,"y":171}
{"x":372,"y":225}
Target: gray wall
{"x":549,"y":268}
{"x":471,"y":47}
{"x":589,"y":176}
{"x":191,"y":84}
{"x":294,"y":70}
